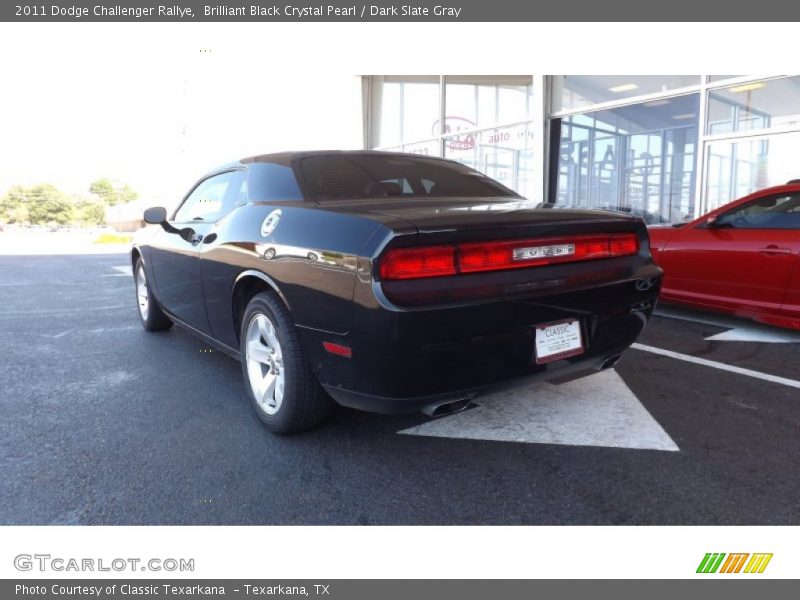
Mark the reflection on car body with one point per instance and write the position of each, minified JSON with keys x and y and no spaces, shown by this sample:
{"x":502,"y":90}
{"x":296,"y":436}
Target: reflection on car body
{"x":277,"y":251}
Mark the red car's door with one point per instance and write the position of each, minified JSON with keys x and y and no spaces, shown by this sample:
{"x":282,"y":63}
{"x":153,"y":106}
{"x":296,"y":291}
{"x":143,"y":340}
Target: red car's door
{"x":742,"y":260}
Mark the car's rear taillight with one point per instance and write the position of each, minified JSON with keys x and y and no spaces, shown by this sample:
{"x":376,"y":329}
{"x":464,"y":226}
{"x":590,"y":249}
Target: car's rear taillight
{"x":413,"y":263}
{"x":474,"y":257}
{"x":623,"y":245}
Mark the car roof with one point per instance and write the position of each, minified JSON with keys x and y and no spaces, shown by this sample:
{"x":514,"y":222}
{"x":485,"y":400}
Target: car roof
{"x":287,"y":158}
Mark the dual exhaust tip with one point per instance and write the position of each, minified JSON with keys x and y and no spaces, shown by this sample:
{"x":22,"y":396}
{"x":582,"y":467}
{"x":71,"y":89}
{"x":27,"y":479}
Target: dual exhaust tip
{"x":610,"y":362}
{"x":451,"y":407}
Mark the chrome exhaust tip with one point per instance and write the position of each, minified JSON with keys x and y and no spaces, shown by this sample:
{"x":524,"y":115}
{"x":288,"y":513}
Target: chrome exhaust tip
{"x":610,"y":362}
{"x":450,"y":407}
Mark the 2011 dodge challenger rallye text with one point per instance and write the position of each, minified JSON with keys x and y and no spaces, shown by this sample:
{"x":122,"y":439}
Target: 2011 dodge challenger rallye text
{"x":389,"y":282}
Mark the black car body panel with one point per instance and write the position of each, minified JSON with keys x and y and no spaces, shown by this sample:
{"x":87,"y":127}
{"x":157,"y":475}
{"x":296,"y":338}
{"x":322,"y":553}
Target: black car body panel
{"x":414,"y":342}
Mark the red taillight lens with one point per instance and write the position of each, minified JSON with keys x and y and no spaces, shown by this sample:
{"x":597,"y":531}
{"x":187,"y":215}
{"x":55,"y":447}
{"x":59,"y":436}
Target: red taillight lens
{"x":485,"y":257}
{"x":624,"y":245}
{"x":436,"y":261}
{"x":413,"y":263}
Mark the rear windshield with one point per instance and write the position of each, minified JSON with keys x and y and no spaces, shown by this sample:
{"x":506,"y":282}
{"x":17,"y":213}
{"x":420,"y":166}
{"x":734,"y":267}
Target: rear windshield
{"x":357,"y":176}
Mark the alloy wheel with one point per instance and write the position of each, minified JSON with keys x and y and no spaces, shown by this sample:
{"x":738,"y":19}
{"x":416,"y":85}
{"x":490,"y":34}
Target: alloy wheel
{"x":141,"y":293}
{"x":264,"y":360}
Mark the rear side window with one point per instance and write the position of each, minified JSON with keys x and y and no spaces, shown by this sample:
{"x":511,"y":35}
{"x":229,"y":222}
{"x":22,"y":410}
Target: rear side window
{"x":355,"y":176}
{"x":271,"y":182}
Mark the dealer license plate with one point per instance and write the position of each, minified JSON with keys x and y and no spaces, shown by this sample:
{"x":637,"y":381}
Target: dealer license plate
{"x":555,"y":341}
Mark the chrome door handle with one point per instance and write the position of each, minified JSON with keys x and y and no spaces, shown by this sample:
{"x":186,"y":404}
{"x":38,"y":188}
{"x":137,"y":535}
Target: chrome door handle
{"x":772,"y":249}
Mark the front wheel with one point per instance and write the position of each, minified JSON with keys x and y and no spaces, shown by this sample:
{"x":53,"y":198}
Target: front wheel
{"x":150,"y":313}
{"x":280,"y":383}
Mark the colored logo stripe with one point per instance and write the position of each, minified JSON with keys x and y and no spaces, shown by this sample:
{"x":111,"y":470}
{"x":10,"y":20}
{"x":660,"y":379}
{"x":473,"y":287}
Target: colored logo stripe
{"x":710,"y":562}
{"x":758,"y":563}
{"x":733,"y":564}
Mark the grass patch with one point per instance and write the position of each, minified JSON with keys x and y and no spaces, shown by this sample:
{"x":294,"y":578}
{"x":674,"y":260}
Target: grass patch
{"x":113,"y":238}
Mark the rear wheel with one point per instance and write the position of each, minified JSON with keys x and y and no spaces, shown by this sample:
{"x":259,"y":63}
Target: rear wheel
{"x":280,"y":383}
{"x":150,"y":313}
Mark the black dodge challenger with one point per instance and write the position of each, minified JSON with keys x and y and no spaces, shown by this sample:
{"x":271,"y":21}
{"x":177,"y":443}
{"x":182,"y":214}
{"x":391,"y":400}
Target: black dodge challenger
{"x":389,"y":282}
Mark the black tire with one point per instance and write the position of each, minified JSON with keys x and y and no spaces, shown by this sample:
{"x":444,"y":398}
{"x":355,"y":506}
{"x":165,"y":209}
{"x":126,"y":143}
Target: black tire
{"x":153,"y":319}
{"x":304,"y":403}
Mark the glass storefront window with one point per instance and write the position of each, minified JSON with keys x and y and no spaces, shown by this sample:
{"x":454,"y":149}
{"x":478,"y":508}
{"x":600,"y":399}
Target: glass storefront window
{"x":755,"y":105}
{"x":404,"y":108}
{"x":478,"y":101}
{"x":504,"y":154}
{"x":739,"y":167}
{"x":426,"y":148}
{"x":570,"y":92}
{"x":640,"y":155}
{"x":713,"y":78}
{"x":637,"y":158}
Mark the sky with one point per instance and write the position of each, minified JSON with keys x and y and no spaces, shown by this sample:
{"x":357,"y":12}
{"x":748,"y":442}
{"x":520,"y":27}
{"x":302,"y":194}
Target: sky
{"x":157,"y":105}
{"x":157,"y":108}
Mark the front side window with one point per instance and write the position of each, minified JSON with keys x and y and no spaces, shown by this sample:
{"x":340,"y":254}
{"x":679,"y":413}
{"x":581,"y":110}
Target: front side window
{"x":354,"y":176}
{"x":213,"y":198}
{"x":780,"y":211}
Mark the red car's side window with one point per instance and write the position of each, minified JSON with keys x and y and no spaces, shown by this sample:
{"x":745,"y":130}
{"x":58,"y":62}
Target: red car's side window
{"x":780,"y":211}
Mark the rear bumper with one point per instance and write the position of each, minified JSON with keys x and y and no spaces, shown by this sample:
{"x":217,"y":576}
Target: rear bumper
{"x":405,"y":360}
{"x":390,"y":406}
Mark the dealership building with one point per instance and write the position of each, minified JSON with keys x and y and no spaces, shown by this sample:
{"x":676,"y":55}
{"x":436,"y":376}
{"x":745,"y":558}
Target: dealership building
{"x":664,"y":147}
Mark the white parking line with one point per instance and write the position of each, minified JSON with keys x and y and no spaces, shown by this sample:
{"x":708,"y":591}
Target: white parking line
{"x":59,"y":312}
{"x":718,"y":365}
{"x":124,"y":271}
{"x":600,"y":410}
{"x":738,"y":330}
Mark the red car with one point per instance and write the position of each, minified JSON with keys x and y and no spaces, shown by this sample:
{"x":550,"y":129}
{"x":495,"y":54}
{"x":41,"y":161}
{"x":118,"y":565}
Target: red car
{"x":743,"y":258}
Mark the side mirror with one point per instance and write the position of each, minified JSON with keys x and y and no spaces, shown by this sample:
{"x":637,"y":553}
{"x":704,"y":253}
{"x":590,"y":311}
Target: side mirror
{"x":711,"y":222}
{"x":155,"y":215}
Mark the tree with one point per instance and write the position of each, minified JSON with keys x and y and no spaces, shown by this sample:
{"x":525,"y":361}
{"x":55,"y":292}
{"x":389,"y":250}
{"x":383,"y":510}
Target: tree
{"x":44,"y":203}
{"x":39,"y":204}
{"x":112,"y":193}
{"x":12,"y":209}
{"x":18,"y":214}
{"x":90,"y":213}
{"x":47,"y":204}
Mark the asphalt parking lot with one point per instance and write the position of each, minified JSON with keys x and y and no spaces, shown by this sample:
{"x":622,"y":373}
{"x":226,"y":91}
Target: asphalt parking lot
{"x":104,"y":423}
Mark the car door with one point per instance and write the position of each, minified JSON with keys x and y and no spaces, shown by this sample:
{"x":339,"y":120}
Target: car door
{"x":791,"y":299}
{"x":742,"y":259}
{"x":176,"y":256}
{"x":218,"y":270}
